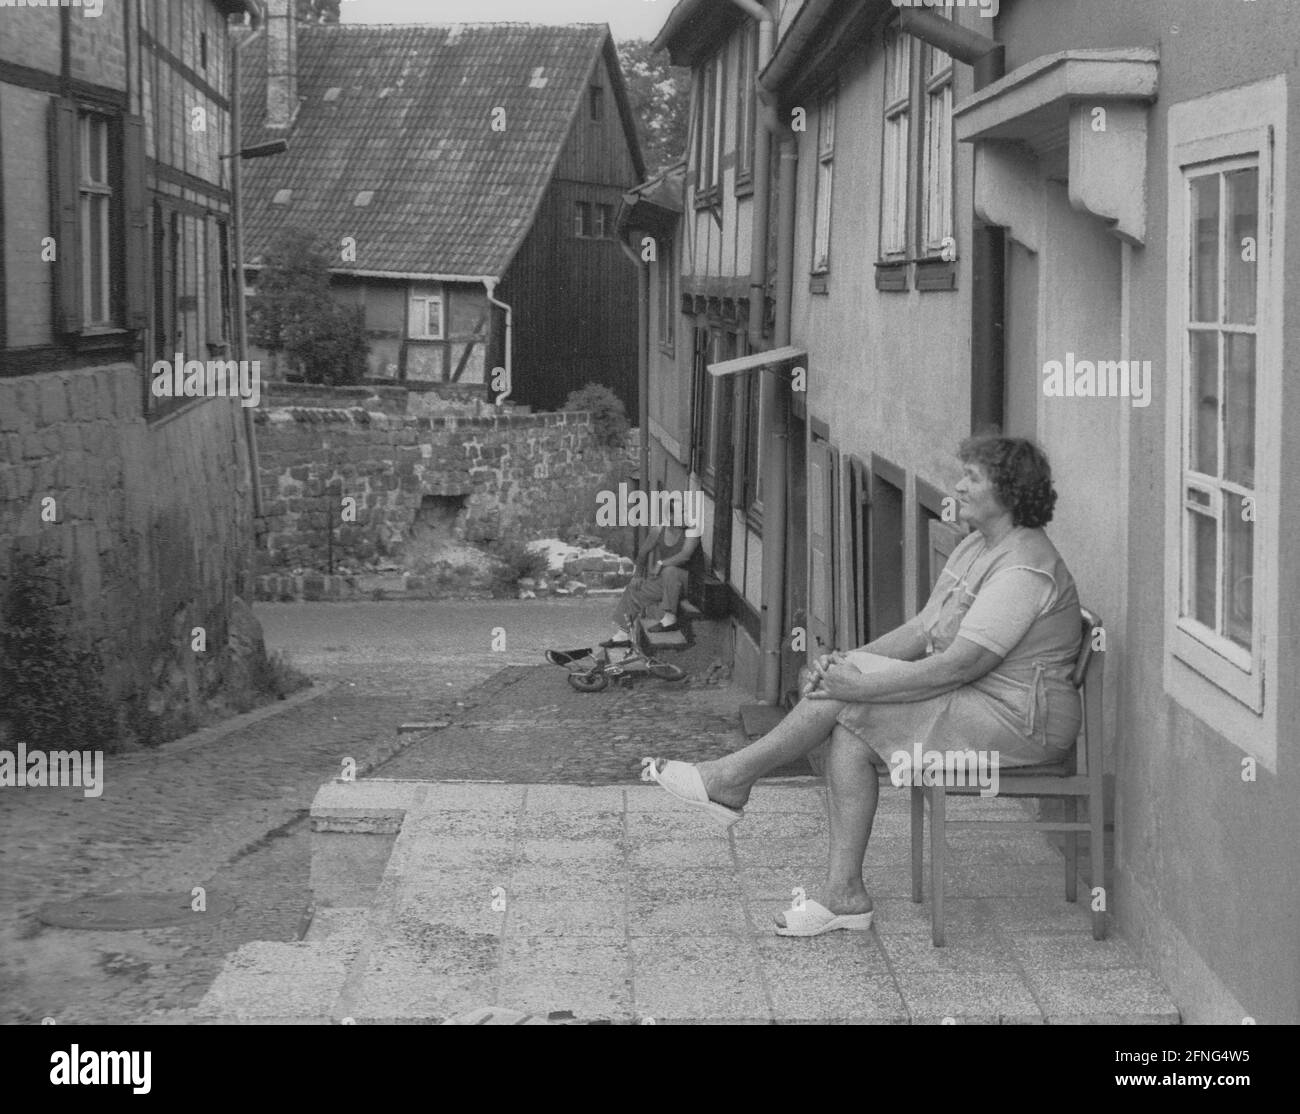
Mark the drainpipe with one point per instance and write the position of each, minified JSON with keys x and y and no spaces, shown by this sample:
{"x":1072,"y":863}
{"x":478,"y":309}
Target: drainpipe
{"x":775,"y":475}
{"x":237,"y":220}
{"x":988,"y":278}
{"x":987,"y":56}
{"x":642,"y":363}
{"x":773,"y":392}
{"x":490,"y":285}
{"x":762,"y":180}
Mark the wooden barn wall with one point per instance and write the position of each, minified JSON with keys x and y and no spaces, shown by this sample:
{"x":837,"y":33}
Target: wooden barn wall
{"x":574,"y":299}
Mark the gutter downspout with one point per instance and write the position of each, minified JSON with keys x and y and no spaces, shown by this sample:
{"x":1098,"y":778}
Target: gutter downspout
{"x":490,"y":285}
{"x":987,"y":56}
{"x":774,"y":398}
{"x":642,"y":364}
{"x":237,"y":219}
{"x":988,"y":245}
{"x":776,"y":475}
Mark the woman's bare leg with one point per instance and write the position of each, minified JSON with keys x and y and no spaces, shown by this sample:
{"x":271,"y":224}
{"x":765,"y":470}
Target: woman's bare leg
{"x":854,"y":790}
{"x":729,"y":779}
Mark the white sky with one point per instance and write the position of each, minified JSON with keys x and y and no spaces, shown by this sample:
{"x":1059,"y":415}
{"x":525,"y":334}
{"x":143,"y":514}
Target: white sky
{"x":628,"y":19}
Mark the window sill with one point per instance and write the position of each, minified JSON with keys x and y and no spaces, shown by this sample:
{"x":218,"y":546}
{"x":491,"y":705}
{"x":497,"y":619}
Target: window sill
{"x":1253,"y":733}
{"x":936,"y":274}
{"x":891,"y":276}
{"x":708,"y":199}
{"x":745,"y":185}
{"x":668,"y":350}
{"x":818,"y":284}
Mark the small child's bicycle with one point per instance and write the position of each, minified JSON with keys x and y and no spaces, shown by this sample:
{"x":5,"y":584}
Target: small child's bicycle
{"x":592,"y":670}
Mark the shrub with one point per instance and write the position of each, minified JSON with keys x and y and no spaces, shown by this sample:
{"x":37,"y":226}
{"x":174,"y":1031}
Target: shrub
{"x":51,"y":682}
{"x":294,"y":312}
{"x":515,"y":561}
{"x":282,"y":677}
{"x":608,"y":418}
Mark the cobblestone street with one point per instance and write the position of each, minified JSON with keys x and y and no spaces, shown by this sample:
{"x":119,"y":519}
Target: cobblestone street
{"x":228,"y":812}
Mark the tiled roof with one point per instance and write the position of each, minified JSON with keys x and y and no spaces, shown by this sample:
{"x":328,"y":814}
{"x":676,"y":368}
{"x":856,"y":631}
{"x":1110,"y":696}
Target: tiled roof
{"x":405,"y":114}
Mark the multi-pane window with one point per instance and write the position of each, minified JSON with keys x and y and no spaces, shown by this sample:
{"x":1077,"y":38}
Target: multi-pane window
{"x":746,"y":107}
{"x":897,"y":132}
{"x":1219,"y":429}
{"x":593,"y":221}
{"x":825,"y":177}
{"x":917,"y":159}
{"x":936,"y":210}
{"x":426,"y":314}
{"x":709,"y":125}
{"x":667,"y":310}
{"x":96,"y":196}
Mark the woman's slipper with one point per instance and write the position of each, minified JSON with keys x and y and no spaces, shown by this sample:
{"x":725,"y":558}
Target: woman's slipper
{"x":814,"y":918}
{"x":683,"y":781}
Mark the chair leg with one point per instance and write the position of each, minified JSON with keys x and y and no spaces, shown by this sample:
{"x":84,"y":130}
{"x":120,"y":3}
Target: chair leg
{"x":937,"y":842}
{"x":1097,"y":867}
{"x":1072,"y":851}
{"x":918,"y":840}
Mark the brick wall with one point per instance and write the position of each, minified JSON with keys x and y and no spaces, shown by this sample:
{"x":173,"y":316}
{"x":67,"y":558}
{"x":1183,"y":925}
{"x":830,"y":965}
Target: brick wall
{"x":537,"y":474}
{"x":153,"y":534}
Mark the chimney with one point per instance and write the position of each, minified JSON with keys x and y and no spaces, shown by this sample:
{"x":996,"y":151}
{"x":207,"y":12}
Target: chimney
{"x":281,"y":64}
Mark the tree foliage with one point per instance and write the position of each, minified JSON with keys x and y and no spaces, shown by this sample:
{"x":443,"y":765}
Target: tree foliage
{"x":318,"y":11}
{"x":294,"y":312}
{"x":660,"y":96}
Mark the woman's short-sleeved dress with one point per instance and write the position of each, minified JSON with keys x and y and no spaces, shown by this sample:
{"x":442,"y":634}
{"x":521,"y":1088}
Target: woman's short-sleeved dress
{"x":1018,"y":599}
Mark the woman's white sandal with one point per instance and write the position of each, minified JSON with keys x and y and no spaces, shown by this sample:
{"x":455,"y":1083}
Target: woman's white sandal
{"x":683,"y":781}
{"x":813,"y":918}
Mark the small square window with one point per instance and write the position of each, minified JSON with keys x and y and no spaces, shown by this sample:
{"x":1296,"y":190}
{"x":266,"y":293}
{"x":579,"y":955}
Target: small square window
{"x":426,"y":315}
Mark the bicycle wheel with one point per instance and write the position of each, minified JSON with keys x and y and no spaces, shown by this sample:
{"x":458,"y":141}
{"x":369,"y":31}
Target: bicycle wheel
{"x":666,"y":672}
{"x":592,"y":680}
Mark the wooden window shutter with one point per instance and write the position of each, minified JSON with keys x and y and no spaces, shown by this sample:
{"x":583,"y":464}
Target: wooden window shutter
{"x":135,"y":209}
{"x":65,"y":152}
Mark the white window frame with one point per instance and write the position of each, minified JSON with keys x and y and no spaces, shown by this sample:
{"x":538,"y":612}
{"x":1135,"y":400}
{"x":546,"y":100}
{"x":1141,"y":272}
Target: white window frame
{"x":895,"y":177}
{"x":95,"y":193}
{"x":821,"y":261}
{"x":1233,"y":693}
{"x":937,"y":169}
{"x":422,"y":298}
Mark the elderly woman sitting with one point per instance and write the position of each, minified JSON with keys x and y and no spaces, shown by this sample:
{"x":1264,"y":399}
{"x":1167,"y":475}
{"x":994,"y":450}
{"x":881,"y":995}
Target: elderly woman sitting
{"x":985,"y":665}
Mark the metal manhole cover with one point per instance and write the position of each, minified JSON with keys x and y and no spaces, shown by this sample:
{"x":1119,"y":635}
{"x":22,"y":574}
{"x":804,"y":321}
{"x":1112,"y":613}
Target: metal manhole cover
{"x":121,"y":911}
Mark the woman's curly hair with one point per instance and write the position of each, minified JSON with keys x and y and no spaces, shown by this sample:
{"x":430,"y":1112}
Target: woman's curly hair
{"x":1019,"y":472}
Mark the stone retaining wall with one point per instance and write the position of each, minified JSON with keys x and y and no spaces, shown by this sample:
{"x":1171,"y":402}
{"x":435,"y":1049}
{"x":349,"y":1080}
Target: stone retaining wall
{"x":150,"y":529}
{"x":347,"y":484}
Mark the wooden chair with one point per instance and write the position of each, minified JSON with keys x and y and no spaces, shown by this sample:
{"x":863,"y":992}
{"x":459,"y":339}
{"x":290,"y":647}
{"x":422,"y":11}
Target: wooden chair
{"x":1074,"y":778}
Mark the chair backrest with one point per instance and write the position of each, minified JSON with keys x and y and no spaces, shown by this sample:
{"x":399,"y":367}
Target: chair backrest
{"x":1087,"y":677}
{"x":1091,"y":624}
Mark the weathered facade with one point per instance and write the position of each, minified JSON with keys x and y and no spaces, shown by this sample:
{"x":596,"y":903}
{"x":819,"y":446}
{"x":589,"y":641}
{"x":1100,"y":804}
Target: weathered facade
{"x":1073,"y":227}
{"x":115,"y":223}
{"x":457,"y":171}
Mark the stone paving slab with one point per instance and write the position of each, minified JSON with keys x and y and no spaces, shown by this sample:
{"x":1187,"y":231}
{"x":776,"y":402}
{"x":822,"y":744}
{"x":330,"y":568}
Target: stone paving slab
{"x":621,"y":904}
